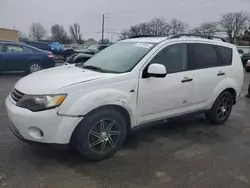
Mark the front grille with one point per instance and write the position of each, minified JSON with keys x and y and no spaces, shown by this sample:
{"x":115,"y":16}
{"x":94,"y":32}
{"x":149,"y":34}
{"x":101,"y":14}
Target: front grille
{"x":16,"y":95}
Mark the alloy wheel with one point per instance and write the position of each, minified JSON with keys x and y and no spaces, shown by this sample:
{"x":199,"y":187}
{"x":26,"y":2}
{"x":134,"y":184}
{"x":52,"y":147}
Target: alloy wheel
{"x":224,"y":106}
{"x":104,"y":135}
{"x":35,"y":67}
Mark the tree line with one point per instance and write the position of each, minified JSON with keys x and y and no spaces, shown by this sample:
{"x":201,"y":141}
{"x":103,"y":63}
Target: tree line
{"x":235,"y":26}
{"x":38,"y":32}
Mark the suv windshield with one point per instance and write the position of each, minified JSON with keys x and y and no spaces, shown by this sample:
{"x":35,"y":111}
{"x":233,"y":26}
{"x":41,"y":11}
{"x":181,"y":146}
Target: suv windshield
{"x":120,"y":57}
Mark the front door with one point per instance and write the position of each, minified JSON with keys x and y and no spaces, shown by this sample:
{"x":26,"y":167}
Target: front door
{"x":163,"y":97}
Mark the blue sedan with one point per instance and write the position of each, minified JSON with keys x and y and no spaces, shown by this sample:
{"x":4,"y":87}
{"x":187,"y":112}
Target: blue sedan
{"x":21,"y":57}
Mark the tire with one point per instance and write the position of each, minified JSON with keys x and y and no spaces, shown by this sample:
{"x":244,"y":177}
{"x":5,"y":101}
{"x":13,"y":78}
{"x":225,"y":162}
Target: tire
{"x":88,"y":133}
{"x":221,"y":109}
{"x":247,"y":69}
{"x":34,"y":67}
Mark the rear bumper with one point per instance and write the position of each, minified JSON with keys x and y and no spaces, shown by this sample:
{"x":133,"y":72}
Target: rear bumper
{"x":49,"y":63}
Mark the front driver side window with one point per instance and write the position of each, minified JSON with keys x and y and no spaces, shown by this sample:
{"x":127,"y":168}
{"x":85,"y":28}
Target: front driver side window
{"x":173,"y":57}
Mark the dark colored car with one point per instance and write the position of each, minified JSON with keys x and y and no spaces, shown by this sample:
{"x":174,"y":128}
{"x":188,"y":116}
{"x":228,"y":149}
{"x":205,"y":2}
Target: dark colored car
{"x":247,"y":67}
{"x":58,"y":50}
{"x":95,"y":48}
{"x":78,"y":58}
{"x":245,"y":58}
{"x":21,"y":57}
{"x":40,"y":45}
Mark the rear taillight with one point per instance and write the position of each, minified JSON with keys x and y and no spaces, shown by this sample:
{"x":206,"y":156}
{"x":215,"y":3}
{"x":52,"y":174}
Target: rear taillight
{"x":50,"y":56}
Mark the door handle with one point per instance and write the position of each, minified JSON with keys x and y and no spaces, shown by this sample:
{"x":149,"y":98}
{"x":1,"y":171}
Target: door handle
{"x":220,"y":73}
{"x":186,"y":79}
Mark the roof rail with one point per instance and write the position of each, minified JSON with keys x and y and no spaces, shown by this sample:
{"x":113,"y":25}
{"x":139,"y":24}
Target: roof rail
{"x":139,"y":36}
{"x":197,"y":35}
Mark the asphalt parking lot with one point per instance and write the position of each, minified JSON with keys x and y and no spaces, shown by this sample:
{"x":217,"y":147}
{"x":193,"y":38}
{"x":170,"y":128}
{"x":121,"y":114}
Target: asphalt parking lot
{"x":187,"y":152}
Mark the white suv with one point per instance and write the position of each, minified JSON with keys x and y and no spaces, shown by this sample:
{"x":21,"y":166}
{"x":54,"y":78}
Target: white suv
{"x":130,"y":83}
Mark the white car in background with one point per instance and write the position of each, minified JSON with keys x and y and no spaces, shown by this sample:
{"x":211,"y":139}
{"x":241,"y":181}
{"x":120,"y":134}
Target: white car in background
{"x":131,"y":83}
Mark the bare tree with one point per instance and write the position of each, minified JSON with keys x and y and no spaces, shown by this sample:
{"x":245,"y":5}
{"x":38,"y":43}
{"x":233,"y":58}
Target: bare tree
{"x":208,"y":29}
{"x":59,"y":34}
{"x":155,"y":27}
{"x":177,"y":26}
{"x":233,"y":24}
{"x":37,"y":31}
{"x":22,"y":35}
{"x":104,"y":41}
{"x":75,"y":32}
{"x":160,"y":27}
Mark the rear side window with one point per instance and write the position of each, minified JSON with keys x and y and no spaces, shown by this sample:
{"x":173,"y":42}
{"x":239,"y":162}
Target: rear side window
{"x":202,"y":56}
{"x":14,"y":48}
{"x":225,"y":54}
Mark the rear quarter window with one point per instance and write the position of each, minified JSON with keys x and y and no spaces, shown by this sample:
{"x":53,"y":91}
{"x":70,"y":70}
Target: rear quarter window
{"x":225,"y":54}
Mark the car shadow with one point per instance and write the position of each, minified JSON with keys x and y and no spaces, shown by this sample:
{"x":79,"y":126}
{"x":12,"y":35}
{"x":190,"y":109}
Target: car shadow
{"x":194,"y":129}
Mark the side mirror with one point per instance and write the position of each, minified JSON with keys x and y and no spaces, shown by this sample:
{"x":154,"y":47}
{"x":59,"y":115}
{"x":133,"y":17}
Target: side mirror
{"x":156,"y":70}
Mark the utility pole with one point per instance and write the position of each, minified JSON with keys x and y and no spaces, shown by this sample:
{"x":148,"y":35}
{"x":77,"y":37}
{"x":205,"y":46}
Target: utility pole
{"x":103,"y":19}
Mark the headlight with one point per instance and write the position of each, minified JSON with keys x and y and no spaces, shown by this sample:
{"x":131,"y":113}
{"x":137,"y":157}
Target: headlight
{"x":41,"y":102}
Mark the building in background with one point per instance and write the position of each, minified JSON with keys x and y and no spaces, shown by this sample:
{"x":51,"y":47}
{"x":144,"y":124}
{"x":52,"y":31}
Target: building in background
{"x":8,"y":34}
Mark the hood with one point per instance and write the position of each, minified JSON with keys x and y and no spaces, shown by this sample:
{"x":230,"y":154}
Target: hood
{"x":50,"y":80}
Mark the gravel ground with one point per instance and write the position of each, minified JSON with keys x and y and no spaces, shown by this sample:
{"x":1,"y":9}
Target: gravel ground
{"x":186,"y":152}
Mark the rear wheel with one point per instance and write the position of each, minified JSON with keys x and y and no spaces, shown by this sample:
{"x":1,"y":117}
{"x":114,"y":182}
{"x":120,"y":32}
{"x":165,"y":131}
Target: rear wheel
{"x":221,"y":109}
{"x":34,"y":67}
{"x":100,"y":134}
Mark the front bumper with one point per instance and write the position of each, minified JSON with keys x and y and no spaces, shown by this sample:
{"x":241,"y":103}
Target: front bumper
{"x":43,"y":127}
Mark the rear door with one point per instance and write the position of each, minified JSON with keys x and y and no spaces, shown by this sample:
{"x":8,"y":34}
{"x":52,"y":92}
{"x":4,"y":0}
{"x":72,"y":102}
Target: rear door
{"x":1,"y":56}
{"x":15,"y":57}
{"x":204,"y":62}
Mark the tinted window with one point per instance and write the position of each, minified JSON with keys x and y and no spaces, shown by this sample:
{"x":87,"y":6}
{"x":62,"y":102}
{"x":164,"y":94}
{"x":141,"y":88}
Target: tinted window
{"x":174,"y":57}
{"x":202,"y":56}
{"x":1,"y":47}
{"x":225,"y":54}
{"x":14,"y":48}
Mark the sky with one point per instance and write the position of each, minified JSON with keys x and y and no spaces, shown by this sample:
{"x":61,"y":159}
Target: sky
{"x":119,"y":14}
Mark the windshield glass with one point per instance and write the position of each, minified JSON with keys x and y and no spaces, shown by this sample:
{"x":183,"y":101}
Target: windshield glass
{"x":120,"y":57}
{"x":93,"y":47}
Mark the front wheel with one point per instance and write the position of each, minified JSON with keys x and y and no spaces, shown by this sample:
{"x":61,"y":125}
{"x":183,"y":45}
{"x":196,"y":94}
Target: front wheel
{"x":221,"y":109}
{"x":100,"y":134}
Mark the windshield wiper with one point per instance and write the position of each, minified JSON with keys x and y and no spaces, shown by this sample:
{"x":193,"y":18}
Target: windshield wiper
{"x":91,"y":67}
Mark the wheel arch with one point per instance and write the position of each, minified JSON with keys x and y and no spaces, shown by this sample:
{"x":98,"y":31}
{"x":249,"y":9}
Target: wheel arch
{"x":124,"y":112}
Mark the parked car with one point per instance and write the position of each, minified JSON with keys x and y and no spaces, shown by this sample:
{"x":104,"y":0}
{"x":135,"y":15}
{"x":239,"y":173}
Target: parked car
{"x":247,"y":67}
{"x":245,"y":58}
{"x":78,"y":59}
{"x":241,"y":52}
{"x":42,"y":45}
{"x":93,"y":49}
{"x":93,"y":107}
{"x":21,"y":57}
